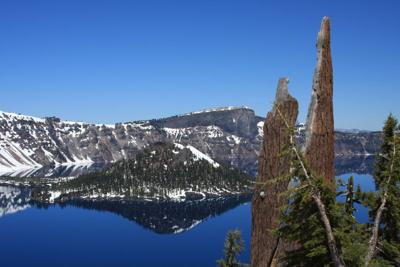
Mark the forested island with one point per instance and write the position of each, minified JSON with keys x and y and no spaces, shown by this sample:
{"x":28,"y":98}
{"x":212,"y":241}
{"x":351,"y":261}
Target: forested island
{"x":161,"y":171}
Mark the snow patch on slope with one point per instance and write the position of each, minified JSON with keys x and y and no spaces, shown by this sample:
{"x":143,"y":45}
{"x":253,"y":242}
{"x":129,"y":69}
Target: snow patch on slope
{"x":10,"y":116}
{"x":198,"y":154}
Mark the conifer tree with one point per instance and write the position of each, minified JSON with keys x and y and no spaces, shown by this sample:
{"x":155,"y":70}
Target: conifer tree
{"x":350,"y":196}
{"x":384,"y":244}
{"x":325,"y":232}
{"x":233,"y":247}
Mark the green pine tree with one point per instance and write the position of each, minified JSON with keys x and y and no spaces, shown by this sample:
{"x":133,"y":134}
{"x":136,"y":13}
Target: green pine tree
{"x":350,"y":196}
{"x":387,"y":199}
{"x":233,"y":247}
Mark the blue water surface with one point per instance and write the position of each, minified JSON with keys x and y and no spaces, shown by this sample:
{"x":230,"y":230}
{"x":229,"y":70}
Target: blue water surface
{"x":72,"y":236}
{"x":367,"y":185}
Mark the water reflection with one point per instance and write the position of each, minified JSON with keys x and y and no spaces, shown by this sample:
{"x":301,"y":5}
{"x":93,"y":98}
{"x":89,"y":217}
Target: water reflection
{"x":99,"y":238}
{"x":13,"y":199}
{"x":166,"y":217}
{"x":163,"y":217}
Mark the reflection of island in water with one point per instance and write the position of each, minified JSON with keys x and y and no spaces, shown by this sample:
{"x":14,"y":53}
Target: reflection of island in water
{"x":164,"y":217}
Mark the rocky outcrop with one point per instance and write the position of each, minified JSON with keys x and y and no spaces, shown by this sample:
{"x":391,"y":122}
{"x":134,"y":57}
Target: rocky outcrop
{"x":240,"y":121}
{"x":319,"y":144}
{"x":267,"y":200}
{"x":27,"y":143}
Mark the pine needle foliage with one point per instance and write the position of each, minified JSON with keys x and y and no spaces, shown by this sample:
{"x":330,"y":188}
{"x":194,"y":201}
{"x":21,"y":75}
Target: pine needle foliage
{"x":387,"y":180}
{"x":303,"y":225}
{"x":234,"y":245}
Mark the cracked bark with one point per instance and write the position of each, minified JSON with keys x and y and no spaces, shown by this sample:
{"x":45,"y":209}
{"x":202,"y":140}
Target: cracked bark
{"x":319,"y":146}
{"x":267,"y":198}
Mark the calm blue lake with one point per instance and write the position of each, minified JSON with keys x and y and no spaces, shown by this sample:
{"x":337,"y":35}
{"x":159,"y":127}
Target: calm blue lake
{"x":124,"y":234}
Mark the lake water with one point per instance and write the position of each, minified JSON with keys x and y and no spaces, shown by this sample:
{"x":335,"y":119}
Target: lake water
{"x":125,"y":234}
{"x":103,"y":234}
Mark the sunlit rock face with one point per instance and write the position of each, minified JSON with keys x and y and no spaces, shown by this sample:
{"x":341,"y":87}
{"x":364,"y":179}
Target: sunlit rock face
{"x":32,"y":146}
{"x":319,"y":143}
{"x":267,"y":197}
{"x":228,"y":135}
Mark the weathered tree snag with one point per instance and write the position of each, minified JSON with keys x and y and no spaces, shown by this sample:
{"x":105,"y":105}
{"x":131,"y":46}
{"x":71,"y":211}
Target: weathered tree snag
{"x":267,"y":199}
{"x":319,"y":146}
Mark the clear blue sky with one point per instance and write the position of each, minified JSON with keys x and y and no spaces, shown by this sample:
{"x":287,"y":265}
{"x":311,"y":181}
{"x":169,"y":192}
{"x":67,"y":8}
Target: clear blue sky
{"x":112,"y":61}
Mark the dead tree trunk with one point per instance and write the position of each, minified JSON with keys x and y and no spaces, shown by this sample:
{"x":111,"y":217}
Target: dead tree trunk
{"x":267,"y":198}
{"x":319,"y":146}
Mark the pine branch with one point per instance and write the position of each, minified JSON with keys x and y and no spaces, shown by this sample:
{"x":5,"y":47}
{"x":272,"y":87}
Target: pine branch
{"x":316,"y":196}
{"x":372,"y":244}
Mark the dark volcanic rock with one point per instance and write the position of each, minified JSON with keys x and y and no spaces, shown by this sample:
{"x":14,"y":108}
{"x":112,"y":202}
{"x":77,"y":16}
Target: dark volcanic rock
{"x":319,"y":146}
{"x":267,"y":200}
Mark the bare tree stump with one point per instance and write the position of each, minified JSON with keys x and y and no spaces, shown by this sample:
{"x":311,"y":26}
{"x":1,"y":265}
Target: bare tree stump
{"x":267,"y":200}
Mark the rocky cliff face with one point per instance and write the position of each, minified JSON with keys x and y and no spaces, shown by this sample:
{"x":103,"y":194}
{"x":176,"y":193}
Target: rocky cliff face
{"x":229,"y":135}
{"x":241,"y":122}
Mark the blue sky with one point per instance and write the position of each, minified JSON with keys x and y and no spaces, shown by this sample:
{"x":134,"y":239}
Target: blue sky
{"x":115,"y":61}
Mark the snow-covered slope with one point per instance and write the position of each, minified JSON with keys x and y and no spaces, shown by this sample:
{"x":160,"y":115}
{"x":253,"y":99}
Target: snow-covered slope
{"x":231,"y":135}
{"x":28,"y":143}
{"x":197,"y":155}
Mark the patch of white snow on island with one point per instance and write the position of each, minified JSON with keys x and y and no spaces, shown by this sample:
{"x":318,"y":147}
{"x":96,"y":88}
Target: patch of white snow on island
{"x":179,"y":146}
{"x":54,"y":195}
{"x":198,"y":154}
